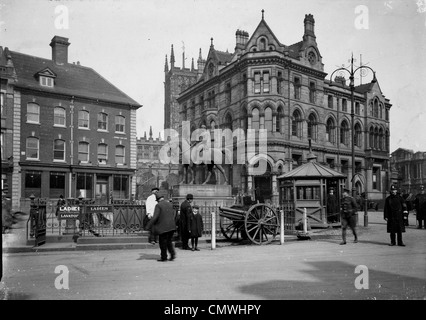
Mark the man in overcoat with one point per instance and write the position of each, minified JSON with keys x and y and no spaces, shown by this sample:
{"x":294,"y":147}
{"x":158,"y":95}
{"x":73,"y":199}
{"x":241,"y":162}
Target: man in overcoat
{"x":184,"y":220}
{"x":420,"y":206}
{"x":348,"y":215}
{"x":332,"y":207}
{"x":394,"y":210}
{"x":163,"y":224}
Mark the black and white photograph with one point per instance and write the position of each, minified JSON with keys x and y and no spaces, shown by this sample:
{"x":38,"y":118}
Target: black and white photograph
{"x":207,"y":157}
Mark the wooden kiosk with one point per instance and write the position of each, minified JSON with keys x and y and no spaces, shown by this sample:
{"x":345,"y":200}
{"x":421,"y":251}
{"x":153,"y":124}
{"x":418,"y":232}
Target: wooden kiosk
{"x":306,"y":187}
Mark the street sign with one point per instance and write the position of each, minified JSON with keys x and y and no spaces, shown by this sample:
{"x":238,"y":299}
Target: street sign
{"x":68,"y":212}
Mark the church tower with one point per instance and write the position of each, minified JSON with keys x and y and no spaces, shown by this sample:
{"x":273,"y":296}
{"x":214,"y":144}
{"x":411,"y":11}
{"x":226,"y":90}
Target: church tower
{"x":176,"y":80}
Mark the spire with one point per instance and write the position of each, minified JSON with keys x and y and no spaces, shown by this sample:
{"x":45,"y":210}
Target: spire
{"x":192,"y":65}
{"x":211,"y":43}
{"x":263,"y":11}
{"x":200,"y":58}
{"x":150,"y":132}
{"x":172,"y":59}
{"x":166,"y":66}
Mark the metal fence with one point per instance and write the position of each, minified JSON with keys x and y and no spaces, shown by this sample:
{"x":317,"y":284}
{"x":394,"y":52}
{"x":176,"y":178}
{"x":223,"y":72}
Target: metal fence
{"x":123,"y":218}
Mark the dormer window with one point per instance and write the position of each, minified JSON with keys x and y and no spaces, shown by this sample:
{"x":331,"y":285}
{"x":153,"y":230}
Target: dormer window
{"x":46,"y":78}
{"x":46,"y":81}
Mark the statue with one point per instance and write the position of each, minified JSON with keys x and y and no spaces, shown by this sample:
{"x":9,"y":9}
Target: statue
{"x":201,"y":153}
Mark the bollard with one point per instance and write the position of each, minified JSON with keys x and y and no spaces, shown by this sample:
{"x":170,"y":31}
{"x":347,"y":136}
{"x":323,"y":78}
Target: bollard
{"x":305,"y":221}
{"x":282,"y":227}
{"x":213,"y":232}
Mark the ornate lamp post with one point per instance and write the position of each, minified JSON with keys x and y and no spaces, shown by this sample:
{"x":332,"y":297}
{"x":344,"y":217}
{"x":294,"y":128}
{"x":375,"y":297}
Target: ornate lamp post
{"x":352,"y":88}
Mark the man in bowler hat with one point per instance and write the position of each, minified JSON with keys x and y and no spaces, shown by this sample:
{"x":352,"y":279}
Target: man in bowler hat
{"x":393,"y":214}
{"x":184,"y":220}
{"x":348,"y":215}
{"x":163,"y":224}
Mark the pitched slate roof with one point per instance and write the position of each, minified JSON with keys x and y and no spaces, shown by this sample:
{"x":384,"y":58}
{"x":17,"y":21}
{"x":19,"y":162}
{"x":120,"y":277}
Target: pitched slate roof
{"x":311,"y":169}
{"x":363,"y":88}
{"x":71,"y":79}
{"x":293,"y":50}
{"x":223,"y":57}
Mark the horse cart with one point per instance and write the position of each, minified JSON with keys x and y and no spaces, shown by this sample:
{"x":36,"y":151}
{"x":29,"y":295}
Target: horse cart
{"x":258,"y":222}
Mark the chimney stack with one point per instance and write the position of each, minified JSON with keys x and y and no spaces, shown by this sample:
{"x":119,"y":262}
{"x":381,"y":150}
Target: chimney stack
{"x":309,"y":22}
{"x":59,"y":49}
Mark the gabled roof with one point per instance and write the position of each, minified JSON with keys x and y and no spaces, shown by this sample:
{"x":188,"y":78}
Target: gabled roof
{"x":311,"y":169}
{"x":70,"y":79}
{"x":260,"y":30}
{"x":293,"y":50}
{"x":223,"y":57}
{"x":46,"y":72}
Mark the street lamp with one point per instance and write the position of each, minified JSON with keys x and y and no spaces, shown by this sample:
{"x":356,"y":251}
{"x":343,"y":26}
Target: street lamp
{"x":352,"y":87}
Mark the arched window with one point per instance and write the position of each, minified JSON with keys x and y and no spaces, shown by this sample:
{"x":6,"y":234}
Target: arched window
{"x":102,"y":153}
{"x":102,"y":121}
{"x":83,"y":151}
{"x":376,"y":138}
{"x":32,"y":148}
{"x":212,"y":125}
{"x":296,"y":124}
{"x":376,"y":108}
{"x":243,"y":120}
{"x":59,"y":116}
{"x":371,"y":140}
{"x":120,"y":156}
{"x":268,"y":119}
{"x":83,"y":119}
{"x":120,"y":124}
{"x":330,"y":131}
{"x":228,"y":121}
{"x":387,"y":140}
{"x":279,"y":120}
{"x":344,"y":132}
{"x":381,"y":140}
{"x":358,"y":135}
{"x":33,"y":113}
{"x":357,"y":108}
{"x":381,"y":111}
{"x":262,"y":44}
{"x":255,"y":119}
{"x":312,"y":127}
{"x":59,"y":150}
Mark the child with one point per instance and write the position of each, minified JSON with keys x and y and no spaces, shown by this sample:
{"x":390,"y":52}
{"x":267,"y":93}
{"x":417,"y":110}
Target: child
{"x":196,"y":225}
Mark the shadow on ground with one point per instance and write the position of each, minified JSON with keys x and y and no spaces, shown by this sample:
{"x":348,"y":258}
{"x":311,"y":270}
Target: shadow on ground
{"x":336,"y":280}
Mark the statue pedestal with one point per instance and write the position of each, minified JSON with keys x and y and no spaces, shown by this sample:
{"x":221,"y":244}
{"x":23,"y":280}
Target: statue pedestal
{"x":207,"y":194}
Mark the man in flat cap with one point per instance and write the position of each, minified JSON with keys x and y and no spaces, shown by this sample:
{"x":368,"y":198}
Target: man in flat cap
{"x":393,"y":213}
{"x":420,"y":206}
{"x":150,"y":204}
{"x":348,"y":215}
{"x":184,"y":221}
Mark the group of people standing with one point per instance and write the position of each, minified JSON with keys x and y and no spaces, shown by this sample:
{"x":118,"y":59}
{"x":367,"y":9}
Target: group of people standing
{"x":163,"y":220}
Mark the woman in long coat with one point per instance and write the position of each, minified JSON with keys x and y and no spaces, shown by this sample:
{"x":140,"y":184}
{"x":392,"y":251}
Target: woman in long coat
{"x":394,"y":215}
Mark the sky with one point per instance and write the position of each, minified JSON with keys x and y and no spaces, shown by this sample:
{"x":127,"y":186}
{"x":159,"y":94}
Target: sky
{"x":126,"y":41}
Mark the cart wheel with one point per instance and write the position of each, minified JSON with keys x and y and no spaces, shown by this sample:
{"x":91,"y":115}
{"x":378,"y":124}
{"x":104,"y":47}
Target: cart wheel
{"x":230,"y":229}
{"x":261,"y":223}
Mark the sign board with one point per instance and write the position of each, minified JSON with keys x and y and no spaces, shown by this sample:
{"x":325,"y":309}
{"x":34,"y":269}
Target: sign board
{"x":68,"y":212}
{"x":98,"y":209}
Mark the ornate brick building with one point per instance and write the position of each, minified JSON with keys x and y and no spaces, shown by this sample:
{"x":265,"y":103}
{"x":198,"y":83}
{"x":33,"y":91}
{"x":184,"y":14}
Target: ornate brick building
{"x":265,"y":84}
{"x":69,"y":131}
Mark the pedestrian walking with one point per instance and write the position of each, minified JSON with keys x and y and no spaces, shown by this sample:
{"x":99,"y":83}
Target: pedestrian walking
{"x":348,"y":215}
{"x":196,"y":229}
{"x":184,"y":220}
{"x":420,"y":206}
{"x":150,"y":204}
{"x":332,"y":207}
{"x":163,"y":224}
{"x":393,"y":213}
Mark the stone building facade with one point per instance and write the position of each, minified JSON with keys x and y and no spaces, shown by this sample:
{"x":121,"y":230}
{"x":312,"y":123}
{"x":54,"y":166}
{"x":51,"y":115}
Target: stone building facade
{"x":265,"y":84}
{"x":408,"y":170}
{"x":69,"y":131}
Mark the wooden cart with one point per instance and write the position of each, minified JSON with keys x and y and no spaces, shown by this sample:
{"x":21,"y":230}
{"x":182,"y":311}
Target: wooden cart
{"x":258,"y":222}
